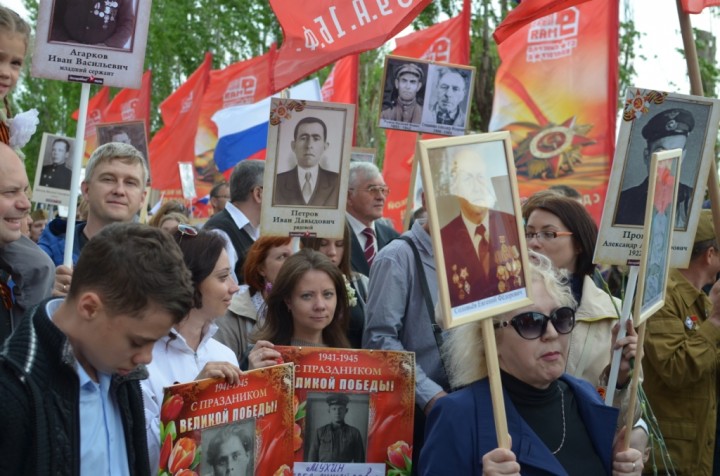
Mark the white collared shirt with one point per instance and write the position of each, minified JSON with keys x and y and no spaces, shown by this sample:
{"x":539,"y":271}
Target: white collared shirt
{"x":242,"y":222}
{"x":313,"y":176}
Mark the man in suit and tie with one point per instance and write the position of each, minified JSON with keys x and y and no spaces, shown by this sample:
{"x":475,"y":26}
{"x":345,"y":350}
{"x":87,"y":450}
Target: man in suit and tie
{"x":57,"y":175}
{"x":308,"y":184}
{"x":481,"y":245}
{"x":366,"y":200}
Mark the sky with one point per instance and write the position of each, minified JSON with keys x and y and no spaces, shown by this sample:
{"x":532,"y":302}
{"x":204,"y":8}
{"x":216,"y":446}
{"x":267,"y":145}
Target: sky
{"x":663,"y":68}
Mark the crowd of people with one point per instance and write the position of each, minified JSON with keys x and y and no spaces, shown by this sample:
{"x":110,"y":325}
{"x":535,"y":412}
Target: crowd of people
{"x":88,"y":348}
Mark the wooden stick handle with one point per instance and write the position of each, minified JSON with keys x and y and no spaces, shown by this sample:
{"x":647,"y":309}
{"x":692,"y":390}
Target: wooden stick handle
{"x":496,"y":393}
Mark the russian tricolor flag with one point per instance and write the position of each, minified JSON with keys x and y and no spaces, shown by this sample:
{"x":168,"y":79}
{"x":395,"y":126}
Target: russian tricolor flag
{"x":243,"y":130}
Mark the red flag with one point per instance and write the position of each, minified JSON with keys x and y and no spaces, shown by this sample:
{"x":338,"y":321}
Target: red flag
{"x":175,"y":142}
{"x":131,"y":104}
{"x":528,"y":11}
{"x":696,"y":6}
{"x":342,"y":85}
{"x":244,"y":82}
{"x":95,"y":115}
{"x":564,"y":134}
{"x":447,"y":42}
{"x":323,"y":31}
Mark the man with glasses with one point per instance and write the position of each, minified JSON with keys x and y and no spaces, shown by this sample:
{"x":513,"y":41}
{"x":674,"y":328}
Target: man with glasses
{"x":219,"y":196}
{"x":480,"y":245}
{"x":308,"y":183}
{"x":681,"y":358}
{"x":365,"y":203}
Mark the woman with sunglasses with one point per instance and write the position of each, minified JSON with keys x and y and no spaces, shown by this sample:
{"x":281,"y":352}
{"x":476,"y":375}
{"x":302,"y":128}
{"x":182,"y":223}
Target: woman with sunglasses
{"x":562,"y":229}
{"x":306,"y":307}
{"x":247,"y":308}
{"x":338,"y":250}
{"x":189,"y":352}
{"x":558,"y":423}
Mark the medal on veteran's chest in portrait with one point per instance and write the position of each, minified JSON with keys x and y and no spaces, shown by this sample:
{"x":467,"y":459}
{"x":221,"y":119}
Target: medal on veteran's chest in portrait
{"x":106,"y":10}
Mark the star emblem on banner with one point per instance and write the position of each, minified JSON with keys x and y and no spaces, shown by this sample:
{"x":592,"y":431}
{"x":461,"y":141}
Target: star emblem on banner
{"x":551,"y":150}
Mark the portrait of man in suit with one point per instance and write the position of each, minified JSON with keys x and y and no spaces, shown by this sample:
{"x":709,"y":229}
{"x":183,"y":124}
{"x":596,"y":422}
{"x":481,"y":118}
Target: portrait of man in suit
{"x":481,"y":246}
{"x":308,"y":184}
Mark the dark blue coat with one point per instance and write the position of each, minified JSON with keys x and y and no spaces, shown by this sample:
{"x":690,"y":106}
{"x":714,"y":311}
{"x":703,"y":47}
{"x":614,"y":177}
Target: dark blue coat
{"x":461,"y":430}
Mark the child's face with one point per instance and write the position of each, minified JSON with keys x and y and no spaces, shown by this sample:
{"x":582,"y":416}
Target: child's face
{"x":12,"y":55}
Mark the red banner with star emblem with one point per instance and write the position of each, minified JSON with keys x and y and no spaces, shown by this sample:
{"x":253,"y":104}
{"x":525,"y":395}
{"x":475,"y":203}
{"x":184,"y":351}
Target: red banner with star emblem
{"x":448,"y":42}
{"x":563,"y":134}
{"x":323,"y":31}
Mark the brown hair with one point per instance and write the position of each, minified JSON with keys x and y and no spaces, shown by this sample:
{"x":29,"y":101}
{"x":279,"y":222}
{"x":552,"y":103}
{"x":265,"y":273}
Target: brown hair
{"x":200,"y":253}
{"x":256,"y":256}
{"x":133,"y":266}
{"x":278,"y":327}
{"x":576,"y":219}
{"x":314,"y":243}
{"x":169,"y":206}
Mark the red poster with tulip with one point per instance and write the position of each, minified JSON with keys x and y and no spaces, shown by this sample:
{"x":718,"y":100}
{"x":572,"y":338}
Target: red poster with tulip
{"x":210,"y":427}
{"x":364,"y":399}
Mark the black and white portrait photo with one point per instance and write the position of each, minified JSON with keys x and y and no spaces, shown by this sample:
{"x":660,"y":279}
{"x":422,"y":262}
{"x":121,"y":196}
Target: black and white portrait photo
{"x":674,"y":125}
{"x":404,"y":92}
{"x":105,"y":23}
{"x":55,"y":167}
{"x":314,"y":180}
{"x":229,"y":450}
{"x":446,"y":99}
{"x":131,"y":132}
{"x":336,"y":427}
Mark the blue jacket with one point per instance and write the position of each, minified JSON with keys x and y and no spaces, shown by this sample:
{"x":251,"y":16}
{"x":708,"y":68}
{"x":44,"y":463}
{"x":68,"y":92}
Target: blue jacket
{"x":461,"y":430}
{"x":52,"y":240}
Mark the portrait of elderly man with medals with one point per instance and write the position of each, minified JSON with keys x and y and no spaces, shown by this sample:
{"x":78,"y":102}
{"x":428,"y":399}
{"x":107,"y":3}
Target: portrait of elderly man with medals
{"x":480,"y":245}
{"x":106,"y":23}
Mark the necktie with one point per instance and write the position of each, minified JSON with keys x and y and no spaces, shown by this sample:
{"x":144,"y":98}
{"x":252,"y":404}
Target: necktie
{"x":483,"y":249}
{"x":369,"y":245}
{"x":307,"y":188}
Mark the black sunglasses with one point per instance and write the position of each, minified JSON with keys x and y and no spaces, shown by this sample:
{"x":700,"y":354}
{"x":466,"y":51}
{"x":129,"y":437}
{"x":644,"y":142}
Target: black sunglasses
{"x":532,"y":325}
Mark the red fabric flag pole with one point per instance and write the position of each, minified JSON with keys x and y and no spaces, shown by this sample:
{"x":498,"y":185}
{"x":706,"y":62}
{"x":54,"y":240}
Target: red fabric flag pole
{"x":528,"y":11}
{"x":323,"y":31}
{"x":564,"y":134}
{"x":175,"y":142}
{"x":341,"y":85}
{"x":447,"y":42}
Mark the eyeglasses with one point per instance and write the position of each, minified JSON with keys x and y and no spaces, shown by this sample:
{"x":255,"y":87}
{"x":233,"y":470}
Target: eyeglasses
{"x":186,"y":230}
{"x":532,"y":325}
{"x":546,"y":235}
{"x":375,"y":190}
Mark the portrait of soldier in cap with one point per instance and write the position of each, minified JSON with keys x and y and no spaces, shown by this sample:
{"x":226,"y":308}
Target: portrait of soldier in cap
{"x":669,"y":129}
{"x":408,"y":82}
{"x":337,"y":442}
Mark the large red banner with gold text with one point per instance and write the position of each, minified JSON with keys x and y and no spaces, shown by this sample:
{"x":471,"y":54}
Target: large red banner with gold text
{"x":378,"y":388}
{"x":556,"y":92}
{"x":200,"y":420}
